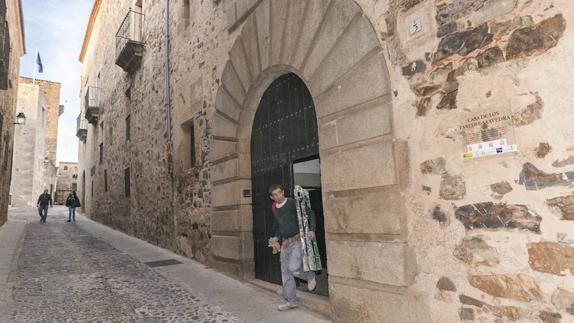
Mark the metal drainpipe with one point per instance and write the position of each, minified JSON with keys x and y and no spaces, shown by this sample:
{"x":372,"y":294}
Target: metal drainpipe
{"x":167,"y":67}
{"x":167,"y":103}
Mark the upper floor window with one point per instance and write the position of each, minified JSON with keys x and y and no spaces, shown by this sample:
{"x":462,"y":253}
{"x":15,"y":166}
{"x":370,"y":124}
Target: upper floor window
{"x":127,"y":182}
{"x":128,"y":127}
{"x":1,"y":125}
{"x":105,"y":180}
{"x":184,"y":13}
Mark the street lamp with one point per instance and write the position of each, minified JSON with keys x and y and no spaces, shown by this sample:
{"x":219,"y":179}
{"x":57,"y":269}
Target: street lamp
{"x":20,"y":119}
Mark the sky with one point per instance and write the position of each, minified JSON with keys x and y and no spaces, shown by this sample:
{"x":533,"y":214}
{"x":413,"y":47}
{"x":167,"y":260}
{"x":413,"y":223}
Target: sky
{"x":56,"y":29}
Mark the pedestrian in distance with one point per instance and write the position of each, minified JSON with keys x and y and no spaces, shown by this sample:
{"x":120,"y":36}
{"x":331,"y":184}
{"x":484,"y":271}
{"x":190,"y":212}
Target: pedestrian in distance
{"x":72,"y":202}
{"x":44,"y":201}
{"x":287,"y":232}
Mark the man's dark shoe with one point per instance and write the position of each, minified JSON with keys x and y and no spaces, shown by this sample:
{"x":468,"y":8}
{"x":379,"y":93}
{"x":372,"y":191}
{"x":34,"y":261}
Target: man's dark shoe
{"x":69,"y":221}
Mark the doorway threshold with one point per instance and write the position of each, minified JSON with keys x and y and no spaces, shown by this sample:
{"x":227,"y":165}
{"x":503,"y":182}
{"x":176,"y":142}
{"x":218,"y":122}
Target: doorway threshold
{"x":316,"y":303}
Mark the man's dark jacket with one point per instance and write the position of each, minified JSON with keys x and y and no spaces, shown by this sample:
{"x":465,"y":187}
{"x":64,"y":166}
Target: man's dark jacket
{"x":45,"y":199}
{"x":72,"y":201}
{"x":286,"y":221}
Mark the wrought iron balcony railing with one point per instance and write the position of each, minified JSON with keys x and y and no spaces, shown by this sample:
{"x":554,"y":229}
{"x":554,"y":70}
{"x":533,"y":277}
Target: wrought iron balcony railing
{"x":4,"y":53}
{"x":129,"y":42}
{"x":81,"y":127}
{"x":92,"y":104}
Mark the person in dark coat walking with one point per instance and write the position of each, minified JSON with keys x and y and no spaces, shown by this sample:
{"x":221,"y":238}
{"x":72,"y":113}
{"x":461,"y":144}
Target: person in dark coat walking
{"x":72,"y":202}
{"x":43,"y":201}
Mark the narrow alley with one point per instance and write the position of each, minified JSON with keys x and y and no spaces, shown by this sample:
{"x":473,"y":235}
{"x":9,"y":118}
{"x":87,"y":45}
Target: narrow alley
{"x":85,"y":272}
{"x":354,"y":161}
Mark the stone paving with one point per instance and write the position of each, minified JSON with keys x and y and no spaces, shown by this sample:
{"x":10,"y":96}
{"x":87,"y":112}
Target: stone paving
{"x":64,"y":274}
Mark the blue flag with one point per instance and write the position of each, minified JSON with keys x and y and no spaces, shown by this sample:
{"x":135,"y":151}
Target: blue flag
{"x":39,"y":63}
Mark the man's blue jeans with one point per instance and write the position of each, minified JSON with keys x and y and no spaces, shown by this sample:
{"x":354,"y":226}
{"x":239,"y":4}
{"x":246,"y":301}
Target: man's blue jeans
{"x":43,"y":210}
{"x":72,"y":214}
{"x":291,"y":267}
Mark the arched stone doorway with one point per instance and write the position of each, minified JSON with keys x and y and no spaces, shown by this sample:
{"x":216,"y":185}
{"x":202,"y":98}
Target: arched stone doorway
{"x":284,"y":149}
{"x":333,"y":48}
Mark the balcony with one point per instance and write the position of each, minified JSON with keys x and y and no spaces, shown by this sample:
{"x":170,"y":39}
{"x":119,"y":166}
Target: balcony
{"x":81,"y":128}
{"x":92,"y":104}
{"x":4,"y":54}
{"x":129,"y":42}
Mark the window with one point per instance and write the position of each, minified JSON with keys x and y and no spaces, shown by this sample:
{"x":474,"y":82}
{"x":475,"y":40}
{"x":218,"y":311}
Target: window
{"x":101,"y":152}
{"x":184,"y":12}
{"x":65,"y":167}
{"x":128,"y":127}
{"x":7,"y":153}
{"x":105,"y":180}
{"x":127,"y":182}
{"x":1,"y":124}
{"x":110,"y":135}
{"x":4,"y":49}
{"x":75,"y":187}
{"x":192,"y":153}
{"x":190,"y":157}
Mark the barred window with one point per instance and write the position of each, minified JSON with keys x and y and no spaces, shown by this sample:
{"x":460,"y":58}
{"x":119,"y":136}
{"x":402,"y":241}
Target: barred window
{"x":105,"y":180}
{"x":127,"y":182}
{"x":128,"y":127}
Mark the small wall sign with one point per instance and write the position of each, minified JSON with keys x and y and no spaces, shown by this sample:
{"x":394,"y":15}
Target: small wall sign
{"x":415,"y":26}
{"x":488,"y":133}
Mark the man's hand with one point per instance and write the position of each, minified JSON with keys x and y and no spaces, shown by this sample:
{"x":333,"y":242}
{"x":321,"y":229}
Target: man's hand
{"x":311,"y":235}
{"x":274,"y":242}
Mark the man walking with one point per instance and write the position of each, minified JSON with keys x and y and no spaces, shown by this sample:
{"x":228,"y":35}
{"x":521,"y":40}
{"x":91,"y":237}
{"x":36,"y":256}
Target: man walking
{"x":72,"y":202}
{"x":287,"y":229}
{"x":43,"y":201}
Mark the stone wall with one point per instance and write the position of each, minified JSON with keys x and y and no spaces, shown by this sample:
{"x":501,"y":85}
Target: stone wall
{"x":8,"y":104}
{"x":483,"y":229}
{"x":67,"y":181}
{"x":29,"y":152}
{"x":51,"y":91}
{"x":33,"y":170}
{"x":416,"y":232}
{"x":147,"y":212}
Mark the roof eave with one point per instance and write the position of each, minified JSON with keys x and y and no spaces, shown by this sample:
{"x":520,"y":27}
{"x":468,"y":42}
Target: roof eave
{"x":89,"y":28}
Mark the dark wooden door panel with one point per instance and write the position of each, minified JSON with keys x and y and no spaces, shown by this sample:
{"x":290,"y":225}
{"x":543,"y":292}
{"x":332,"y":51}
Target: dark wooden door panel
{"x":284,"y":130}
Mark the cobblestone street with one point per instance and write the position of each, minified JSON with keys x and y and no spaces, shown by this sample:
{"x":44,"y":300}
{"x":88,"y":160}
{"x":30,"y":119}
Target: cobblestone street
{"x":63,"y":273}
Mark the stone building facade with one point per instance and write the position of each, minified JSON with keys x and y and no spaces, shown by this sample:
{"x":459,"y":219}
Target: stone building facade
{"x":67,"y":181}
{"x":34,"y":168}
{"x":12,"y":47}
{"x":444,"y":139}
{"x":51,"y":92}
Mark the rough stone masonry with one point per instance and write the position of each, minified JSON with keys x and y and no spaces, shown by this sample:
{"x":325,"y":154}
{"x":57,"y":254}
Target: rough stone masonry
{"x":415,"y":232}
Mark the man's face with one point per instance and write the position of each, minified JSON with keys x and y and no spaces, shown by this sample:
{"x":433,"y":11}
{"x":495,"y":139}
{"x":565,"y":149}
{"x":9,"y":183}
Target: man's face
{"x":45,"y":191}
{"x":278,"y":195}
